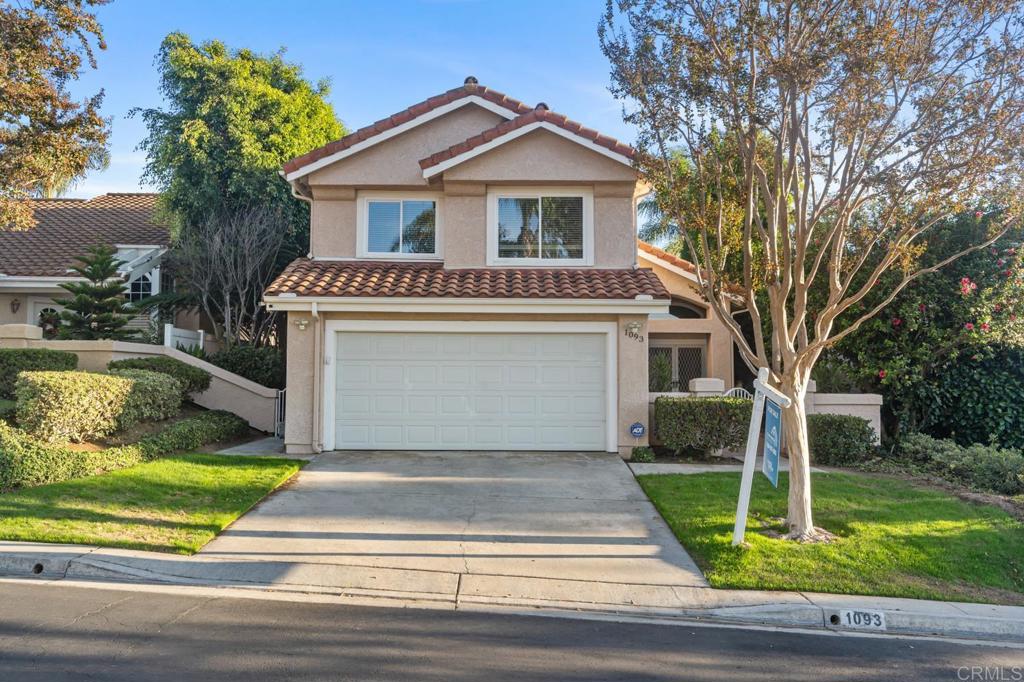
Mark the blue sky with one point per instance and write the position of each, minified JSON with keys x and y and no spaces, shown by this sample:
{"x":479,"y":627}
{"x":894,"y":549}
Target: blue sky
{"x":380,"y":56}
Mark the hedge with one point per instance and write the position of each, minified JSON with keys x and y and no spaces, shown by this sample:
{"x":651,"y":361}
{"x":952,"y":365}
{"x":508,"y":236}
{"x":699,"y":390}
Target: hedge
{"x":25,"y":461}
{"x":840,"y":439}
{"x":193,"y":379}
{"x":70,"y":406}
{"x":985,"y":467}
{"x":15,"y":360}
{"x":709,"y":424}
{"x":264,"y":365}
{"x":154,"y":397}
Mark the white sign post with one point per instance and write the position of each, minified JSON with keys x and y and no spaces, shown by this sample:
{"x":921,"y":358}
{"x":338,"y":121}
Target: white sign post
{"x":761,"y":389}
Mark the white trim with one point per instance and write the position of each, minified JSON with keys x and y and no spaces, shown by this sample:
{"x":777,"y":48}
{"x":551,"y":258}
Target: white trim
{"x":398,"y":130}
{"x":363,"y":198}
{"x":141,"y":246}
{"x":610,"y":329}
{"x":441,"y":166}
{"x":493,"y":195}
{"x":504,"y":306}
{"x":25,"y":282}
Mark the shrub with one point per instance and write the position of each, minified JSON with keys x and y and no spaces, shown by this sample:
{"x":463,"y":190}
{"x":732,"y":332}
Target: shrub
{"x":660,"y":373}
{"x":70,"y":406}
{"x":264,"y":365}
{"x":25,"y":461}
{"x":193,"y":379}
{"x":15,"y":360}
{"x":7,"y":409}
{"x":840,"y":439}
{"x":154,"y":397}
{"x":642,"y":454}
{"x":707,"y":424}
{"x":985,"y":467}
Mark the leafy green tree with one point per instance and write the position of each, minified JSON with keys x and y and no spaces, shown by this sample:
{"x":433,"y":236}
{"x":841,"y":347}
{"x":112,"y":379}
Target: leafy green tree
{"x":47,"y":139}
{"x":96,"y":309}
{"x":232,"y":118}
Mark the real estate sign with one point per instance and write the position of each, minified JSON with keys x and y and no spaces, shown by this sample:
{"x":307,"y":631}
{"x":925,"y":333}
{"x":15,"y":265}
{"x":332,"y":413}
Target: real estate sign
{"x":772,"y":434}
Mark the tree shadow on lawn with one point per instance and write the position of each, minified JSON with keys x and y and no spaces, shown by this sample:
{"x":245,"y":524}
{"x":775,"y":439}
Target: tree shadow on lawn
{"x":166,"y":505}
{"x":894,"y":538}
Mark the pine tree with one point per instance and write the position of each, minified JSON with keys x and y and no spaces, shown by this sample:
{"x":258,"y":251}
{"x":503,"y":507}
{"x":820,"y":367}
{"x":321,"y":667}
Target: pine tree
{"x":96,"y":309}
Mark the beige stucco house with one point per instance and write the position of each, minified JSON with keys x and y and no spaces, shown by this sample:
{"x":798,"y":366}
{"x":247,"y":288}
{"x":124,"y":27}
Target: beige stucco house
{"x":474,"y":282}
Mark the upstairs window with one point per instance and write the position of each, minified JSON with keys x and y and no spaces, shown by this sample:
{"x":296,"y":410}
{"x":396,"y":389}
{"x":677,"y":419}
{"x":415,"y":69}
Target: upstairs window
{"x":398,"y":227}
{"x":139,"y":289}
{"x":540,"y":227}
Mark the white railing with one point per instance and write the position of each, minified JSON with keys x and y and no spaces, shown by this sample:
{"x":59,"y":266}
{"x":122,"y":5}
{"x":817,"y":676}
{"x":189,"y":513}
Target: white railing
{"x":739,"y":392}
{"x":183,"y":339}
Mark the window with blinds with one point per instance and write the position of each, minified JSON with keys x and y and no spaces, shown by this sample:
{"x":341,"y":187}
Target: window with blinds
{"x":541,"y":227}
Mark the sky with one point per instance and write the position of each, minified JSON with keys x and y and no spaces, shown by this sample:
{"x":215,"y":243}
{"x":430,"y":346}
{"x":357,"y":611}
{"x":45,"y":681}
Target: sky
{"x":380,"y":56}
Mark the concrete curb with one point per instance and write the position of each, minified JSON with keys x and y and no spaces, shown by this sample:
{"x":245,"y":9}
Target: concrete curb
{"x":438,"y":589}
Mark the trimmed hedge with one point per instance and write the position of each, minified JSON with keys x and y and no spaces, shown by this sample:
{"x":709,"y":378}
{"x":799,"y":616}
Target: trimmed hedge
{"x":840,"y":439}
{"x":154,"y":397}
{"x":708,"y":424}
{"x":264,"y":365}
{"x":25,"y":461}
{"x":70,"y":406}
{"x":985,"y":467}
{"x":16,"y":360}
{"x":193,"y":379}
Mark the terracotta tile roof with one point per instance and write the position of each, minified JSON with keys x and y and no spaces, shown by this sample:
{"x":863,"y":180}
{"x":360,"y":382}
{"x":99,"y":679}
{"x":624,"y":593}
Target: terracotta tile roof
{"x":667,"y":257}
{"x":305,"y":277}
{"x":65,"y":228}
{"x":404,"y":116}
{"x":540,"y":114}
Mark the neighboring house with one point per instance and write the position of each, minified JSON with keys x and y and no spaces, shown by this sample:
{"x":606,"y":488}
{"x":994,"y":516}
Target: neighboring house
{"x":472,"y":284}
{"x":34,"y":262}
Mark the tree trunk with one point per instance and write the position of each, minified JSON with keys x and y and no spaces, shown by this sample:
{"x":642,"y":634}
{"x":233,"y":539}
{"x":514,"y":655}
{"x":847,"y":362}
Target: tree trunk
{"x":794,"y":430}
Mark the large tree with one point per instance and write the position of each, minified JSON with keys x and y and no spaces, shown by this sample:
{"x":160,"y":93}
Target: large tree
{"x":884,"y":119}
{"x":232,"y":118}
{"x":47,"y":139}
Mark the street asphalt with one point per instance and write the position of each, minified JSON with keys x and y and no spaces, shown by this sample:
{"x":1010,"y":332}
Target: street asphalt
{"x":63,"y":632}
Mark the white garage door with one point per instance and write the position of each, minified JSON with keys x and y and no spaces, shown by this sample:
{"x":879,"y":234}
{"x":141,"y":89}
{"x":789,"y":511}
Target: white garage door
{"x":470,"y":391}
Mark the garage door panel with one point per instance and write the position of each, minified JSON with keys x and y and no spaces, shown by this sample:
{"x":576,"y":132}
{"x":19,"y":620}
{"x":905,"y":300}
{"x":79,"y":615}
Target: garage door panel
{"x":470,"y":391}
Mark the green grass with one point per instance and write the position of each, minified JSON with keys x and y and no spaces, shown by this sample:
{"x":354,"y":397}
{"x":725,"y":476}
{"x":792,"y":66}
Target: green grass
{"x":894,"y":538}
{"x":176,"y":504}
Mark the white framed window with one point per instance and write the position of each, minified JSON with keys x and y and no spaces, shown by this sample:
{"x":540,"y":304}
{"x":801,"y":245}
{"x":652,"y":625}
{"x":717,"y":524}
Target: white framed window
{"x":139,"y":288}
{"x":541,"y":226}
{"x":395,"y":225}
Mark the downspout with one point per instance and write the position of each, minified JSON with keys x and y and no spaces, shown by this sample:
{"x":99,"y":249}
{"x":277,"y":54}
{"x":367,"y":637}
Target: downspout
{"x":318,"y":383}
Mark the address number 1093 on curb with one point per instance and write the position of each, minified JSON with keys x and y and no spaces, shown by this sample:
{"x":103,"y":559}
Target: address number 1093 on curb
{"x":861,"y":620}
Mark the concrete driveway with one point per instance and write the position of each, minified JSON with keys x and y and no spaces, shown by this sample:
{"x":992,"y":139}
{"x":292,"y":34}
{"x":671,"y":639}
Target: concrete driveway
{"x":564,"y":516}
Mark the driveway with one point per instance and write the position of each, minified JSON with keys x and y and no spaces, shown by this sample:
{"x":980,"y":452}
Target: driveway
{"x":566,"y":516}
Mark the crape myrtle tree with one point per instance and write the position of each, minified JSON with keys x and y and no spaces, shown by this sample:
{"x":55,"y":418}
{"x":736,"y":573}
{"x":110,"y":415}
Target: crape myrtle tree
{"x":882,"y":120}
{"x":47,"y":138}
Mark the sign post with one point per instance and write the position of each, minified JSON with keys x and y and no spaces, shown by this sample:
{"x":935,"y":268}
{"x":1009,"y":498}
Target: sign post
{"x":761,"y":389}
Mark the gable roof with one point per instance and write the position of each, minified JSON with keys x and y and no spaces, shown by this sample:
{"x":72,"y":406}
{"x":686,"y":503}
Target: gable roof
{"x":469,"y":93}
{"x":307,"y":277}
{"x":506,"y":131}
{"x":666,"y":257}
{"x":66,"y":228}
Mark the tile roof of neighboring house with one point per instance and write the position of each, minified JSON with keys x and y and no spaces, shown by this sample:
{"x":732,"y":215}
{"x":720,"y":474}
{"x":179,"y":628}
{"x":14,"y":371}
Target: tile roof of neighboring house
{"x":305,"y":277}
{"x":66,"y":228}
{"x":540,"y":114}
{"x":667,"y":257}
{"x":470,"y":88}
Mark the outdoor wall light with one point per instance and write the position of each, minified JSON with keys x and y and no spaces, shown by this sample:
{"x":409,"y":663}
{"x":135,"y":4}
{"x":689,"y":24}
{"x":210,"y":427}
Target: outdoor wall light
{"x":302,"y":323}
{"x":633,"y":327}
{"x":15,"y":306}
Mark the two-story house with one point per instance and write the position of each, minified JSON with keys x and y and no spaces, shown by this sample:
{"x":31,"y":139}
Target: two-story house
{"x":473,"y":284}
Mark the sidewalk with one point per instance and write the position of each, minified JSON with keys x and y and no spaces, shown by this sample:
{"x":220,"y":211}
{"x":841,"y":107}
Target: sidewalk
{"x":469,"y":591}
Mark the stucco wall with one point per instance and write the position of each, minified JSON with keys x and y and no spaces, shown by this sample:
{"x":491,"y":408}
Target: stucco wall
{"x":395,"y":162}
{"x":720,"y":361}
{"x":303,"y":431}
{"x":227,"y":391}
{"x":6,"y":316}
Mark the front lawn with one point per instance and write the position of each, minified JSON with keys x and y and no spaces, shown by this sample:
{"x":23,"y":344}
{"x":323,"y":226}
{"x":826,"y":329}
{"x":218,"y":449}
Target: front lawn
{"x":175,"y":504}
{"x":895,"y":539}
